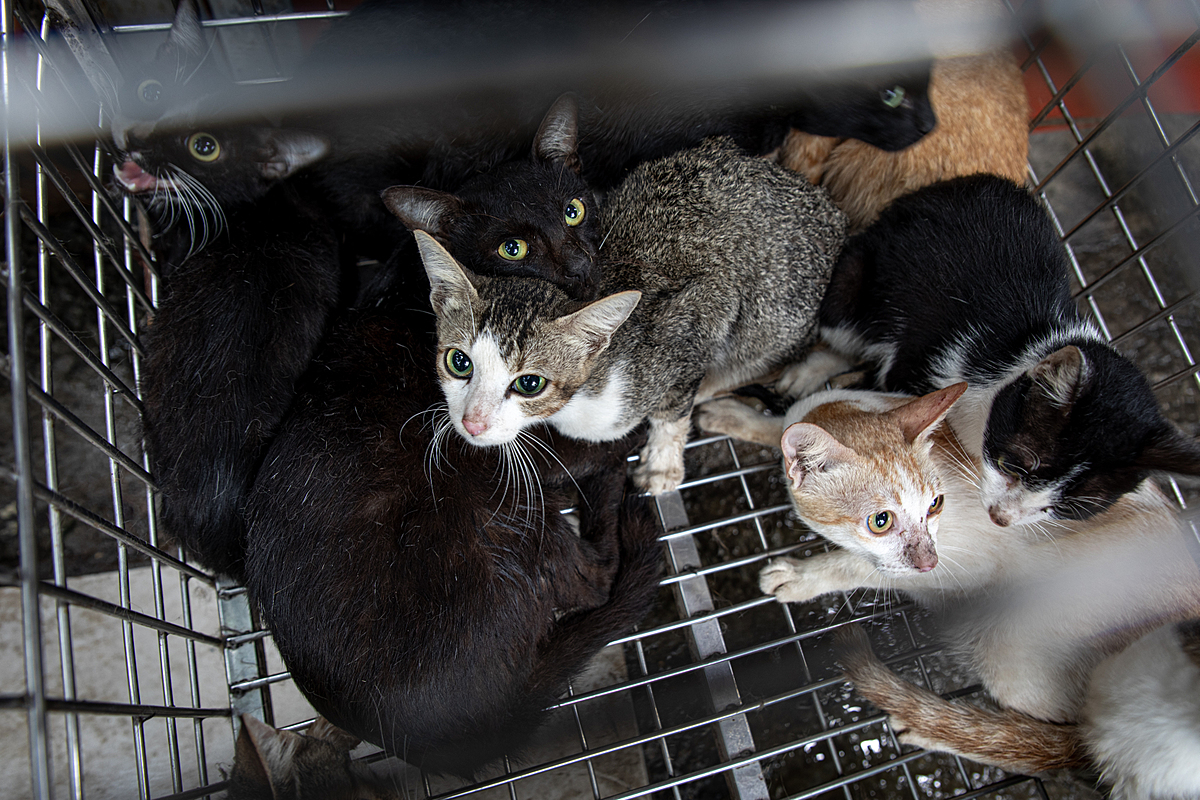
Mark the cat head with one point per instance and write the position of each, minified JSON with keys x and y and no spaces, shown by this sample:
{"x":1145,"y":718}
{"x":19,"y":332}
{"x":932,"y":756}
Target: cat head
{"x":536,"y":218}
{"x":196,"y":174}
{"x":1072,"y":434}
{"x":271,"y":764}
{"x":860,"y":472}
{"x":511,"y":351}
{"x":889,"y":110}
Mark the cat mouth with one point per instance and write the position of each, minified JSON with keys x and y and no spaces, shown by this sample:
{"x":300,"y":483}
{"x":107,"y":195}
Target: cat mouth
{"x":135,"y":179}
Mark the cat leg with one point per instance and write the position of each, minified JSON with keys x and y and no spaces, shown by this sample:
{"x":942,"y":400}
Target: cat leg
{"x":794,"y":580}
{"x":808,"y":376}
{"x":736,"y":419}
{"x":661,"y":467}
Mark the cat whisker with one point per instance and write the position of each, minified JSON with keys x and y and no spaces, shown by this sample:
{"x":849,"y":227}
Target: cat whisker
{"x":547,"y":450}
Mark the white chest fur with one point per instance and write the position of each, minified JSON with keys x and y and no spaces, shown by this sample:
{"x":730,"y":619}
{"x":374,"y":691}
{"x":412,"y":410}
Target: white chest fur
{"x":597,"y":416}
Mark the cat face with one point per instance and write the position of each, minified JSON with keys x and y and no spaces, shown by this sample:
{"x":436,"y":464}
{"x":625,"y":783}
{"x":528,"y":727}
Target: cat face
{"x":890,"y":111}
{"x":536,"y":218}
{"x":197,"y":174}
{"x":863,"y":477}
{"x":1062,"y":443}
{"x":510,"y":362}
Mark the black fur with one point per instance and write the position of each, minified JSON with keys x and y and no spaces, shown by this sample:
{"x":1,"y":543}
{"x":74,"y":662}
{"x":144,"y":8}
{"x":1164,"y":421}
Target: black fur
{"x":414,"y":597}
{"x":420,"y":136}
{"x":975,"y":264}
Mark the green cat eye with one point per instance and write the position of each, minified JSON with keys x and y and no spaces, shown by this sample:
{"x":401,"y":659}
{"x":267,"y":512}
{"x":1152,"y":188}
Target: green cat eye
{"x":203,"y":147}
{"x":529,"y":385}
{"x":149,"y":91}
{"x":893,"y":97}
{"x":880,"y":522}
{"x":513,"y":249}
{"x":458,"y":363}
{"x":574,"y":212}
{"x":936,"y":506}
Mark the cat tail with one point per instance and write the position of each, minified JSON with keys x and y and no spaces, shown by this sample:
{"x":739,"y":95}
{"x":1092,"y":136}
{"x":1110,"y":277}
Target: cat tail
{"x":1005,"y":738}
{"x":633,"y":590}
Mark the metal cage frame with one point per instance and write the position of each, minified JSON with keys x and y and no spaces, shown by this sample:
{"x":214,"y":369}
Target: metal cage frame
{"x":743,"y":731}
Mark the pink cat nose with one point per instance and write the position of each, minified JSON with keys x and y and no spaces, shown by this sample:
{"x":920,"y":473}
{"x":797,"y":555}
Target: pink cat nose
{"x":475,"y":428}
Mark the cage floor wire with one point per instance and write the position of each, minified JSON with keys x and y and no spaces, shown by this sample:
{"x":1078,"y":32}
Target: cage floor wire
{"x":123,"y":664}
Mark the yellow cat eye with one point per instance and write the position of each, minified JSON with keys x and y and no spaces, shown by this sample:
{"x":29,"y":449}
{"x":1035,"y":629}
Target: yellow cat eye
{"x":880,"y":522}
{"x":150,"y":91}
{"x":574,"y":213}
{"x":936,"y":506}
{"x":513,"y":249}
{"x":529,"y":385}
{"x":458,"y":363}
{"x":204,"y":147}
{"x":893,"y":97}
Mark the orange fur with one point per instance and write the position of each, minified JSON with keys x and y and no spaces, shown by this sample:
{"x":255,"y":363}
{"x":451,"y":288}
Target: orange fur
{"x":982,"y":126}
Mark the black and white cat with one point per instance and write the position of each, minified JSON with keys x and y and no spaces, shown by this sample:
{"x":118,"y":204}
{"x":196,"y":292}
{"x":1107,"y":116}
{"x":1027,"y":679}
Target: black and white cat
{"x":714,"y":267}
{"x":966,"y":280}
{"x":427,"y":595}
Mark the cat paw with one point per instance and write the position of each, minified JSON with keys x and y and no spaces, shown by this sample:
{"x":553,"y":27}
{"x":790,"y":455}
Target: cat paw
{"x":785,"y":578}
{"x":727,"y":416}
{"x":809,"y":376}
{"x":657,"y":481}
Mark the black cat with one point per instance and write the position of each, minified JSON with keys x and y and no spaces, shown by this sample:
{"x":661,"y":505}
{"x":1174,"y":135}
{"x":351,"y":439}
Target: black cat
{"x":965,"y":280}
{"x":535,"y":217}
{"x":250,"y":274}
{"x":425,"y":594}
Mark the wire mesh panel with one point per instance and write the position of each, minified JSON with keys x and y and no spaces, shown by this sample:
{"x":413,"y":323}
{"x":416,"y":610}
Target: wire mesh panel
{"x":125,"y":666}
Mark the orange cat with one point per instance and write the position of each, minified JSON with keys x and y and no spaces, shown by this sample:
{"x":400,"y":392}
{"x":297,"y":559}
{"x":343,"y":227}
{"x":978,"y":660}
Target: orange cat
{"x":982,"y":113}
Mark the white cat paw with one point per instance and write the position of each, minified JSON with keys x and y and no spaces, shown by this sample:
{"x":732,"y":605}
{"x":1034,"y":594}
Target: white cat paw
{"x":809,"y":376}
{"x":787,"y":579}
{"x":657,"y":481}
{"x":727,"y":416}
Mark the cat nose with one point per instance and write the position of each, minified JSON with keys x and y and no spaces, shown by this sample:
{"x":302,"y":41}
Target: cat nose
{"x":999,"y":517}
{"x":475,"y":428}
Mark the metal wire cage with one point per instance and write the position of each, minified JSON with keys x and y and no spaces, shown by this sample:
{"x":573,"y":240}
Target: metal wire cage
{"x":125,"y":667}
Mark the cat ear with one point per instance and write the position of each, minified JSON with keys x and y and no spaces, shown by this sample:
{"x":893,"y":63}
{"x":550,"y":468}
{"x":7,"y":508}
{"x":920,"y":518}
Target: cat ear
{"x":264,"y":757}
{"x":290,"y":150}
{"x":1061,"y":375}
{"x":448,"y":280}
{"x":557,"y":137}
{"x":1171,"y":451}
{"x":596,"y":322}
{"x":920,"y":417}
{"x":325,"y":730}
{"x":809,"y":448}
{"x":186,"y":36}
{"x":422,"y":209}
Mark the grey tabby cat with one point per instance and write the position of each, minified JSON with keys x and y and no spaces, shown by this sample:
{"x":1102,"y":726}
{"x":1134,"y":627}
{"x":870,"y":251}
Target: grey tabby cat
{"x":715,"y":264}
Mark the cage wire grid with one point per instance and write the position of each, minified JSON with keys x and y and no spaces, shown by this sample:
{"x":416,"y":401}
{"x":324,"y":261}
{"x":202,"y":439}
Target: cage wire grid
{"x":721,"y":693}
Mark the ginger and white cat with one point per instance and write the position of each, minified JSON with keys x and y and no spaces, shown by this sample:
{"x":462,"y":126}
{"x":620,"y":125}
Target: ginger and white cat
{"x":1001,"y":587}
{"x":715,"y":263}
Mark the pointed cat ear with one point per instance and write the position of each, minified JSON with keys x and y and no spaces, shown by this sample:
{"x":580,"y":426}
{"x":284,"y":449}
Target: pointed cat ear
{"x":325,"y":730}
{"x":809,"y":448}
{"x":290,"y":150}
{"x":557,"y":137}
{"x":422,"y":209}
{"x":919,"y":417}
{"x":448,"y":280}
{"x":264,"y":756}
{"x":1171,"y":451}
{"x":186,"y":36}
{"x":1061,"y":375}
{"x":596,"y":322}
